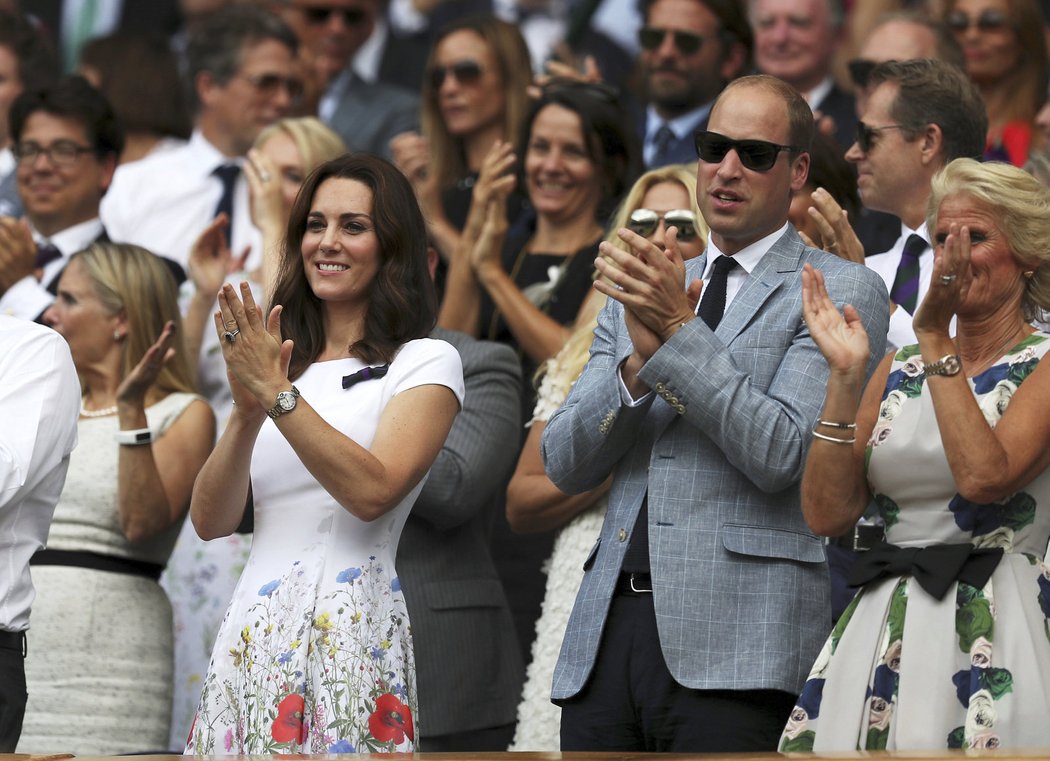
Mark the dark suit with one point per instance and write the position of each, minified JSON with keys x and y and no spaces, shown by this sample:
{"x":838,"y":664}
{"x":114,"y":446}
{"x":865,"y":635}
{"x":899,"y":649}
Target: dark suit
{"x":369,"y":114}
{"x":158,"y":16}
{"x":681,"y":150}
{"x":468,"y":664}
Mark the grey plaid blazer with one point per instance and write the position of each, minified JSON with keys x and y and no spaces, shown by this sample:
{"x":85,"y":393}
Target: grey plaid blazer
{"x":740,"y":583}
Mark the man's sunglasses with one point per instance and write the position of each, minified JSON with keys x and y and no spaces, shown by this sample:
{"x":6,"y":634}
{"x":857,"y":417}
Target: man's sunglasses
{"x":320,"y":14}
{"x":989,"y":20}
{"x":466,"y":72}
{"x":687,"y":43}
{"x":756,"y":155}
{"x":866,"y":135}
{"x":860,"y":71}
{"x":645,"y":221}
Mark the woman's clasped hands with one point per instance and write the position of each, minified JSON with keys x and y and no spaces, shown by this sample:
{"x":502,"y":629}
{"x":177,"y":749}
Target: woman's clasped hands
{"x":256,"y":357}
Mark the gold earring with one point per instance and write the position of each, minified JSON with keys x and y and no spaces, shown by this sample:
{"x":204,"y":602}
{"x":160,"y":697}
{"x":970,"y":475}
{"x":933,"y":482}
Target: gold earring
{"x":1028,"y":274}
{"x":117,"y":336}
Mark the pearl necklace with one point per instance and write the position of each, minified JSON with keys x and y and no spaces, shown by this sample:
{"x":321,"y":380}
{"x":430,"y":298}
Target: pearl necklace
{"x":97,"y":413}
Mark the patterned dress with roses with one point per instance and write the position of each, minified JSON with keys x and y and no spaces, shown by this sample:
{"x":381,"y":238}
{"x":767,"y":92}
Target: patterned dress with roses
{"x":315,"y":654}
{"x":903,"y":670}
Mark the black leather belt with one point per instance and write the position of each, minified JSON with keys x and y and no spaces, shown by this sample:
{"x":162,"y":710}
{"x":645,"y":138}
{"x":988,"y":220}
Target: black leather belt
{"x":634,"y":584}
{"x":863,"y":537}
{"x":97,"y":562}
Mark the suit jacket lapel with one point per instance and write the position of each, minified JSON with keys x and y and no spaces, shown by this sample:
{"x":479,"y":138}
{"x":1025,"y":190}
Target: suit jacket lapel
{"x":777,"y":269}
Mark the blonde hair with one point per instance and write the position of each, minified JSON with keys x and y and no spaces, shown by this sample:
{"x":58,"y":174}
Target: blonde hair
{"x":1021,"y":206}
{"x":574,"y":353}
{"x":314,"y":140}
{"x":448,"y":160}
{"x":130,"y":279}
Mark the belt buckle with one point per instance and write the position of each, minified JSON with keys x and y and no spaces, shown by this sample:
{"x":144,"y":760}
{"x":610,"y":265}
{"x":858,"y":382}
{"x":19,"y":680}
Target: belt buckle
{"x":630,"y":580}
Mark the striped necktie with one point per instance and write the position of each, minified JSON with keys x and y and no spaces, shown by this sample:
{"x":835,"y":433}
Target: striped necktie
{"x":905,"y":290}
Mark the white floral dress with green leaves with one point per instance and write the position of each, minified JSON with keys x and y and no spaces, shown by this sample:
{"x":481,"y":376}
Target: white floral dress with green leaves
{"x":903,"y":670}
{"x":315,"y":653}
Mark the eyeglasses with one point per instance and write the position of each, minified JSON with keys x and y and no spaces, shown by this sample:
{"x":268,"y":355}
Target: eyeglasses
{"x":990,"y":20}
{"x":686,"y":43}
{"x":316,"y":15}
{"x":756,"y":155}
{"x":466,"y":72}
{"x":267,"y":85}
{"x":866,"y":134}
{"x":645,"y":221}
{"x":61,"y":153}
{"x":860,"y":71}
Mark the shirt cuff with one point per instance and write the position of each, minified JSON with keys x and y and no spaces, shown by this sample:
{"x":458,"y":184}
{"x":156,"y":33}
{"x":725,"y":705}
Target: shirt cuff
{"x":26,"y":299}
{"x":625,"y":396}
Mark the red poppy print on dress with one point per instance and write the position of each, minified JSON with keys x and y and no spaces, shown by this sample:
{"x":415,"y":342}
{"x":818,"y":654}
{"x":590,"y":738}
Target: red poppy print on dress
{"x":288,"y":726}
{"x":391,"y":720}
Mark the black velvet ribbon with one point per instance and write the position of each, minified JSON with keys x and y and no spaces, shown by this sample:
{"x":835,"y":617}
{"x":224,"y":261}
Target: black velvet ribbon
{"x":934,"y":567}
{"x":366,"y":374}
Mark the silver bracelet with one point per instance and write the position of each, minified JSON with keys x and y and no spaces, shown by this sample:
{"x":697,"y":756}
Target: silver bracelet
{"x":841,"y":426}
{"x":834,"y":440}
{"x":134,"y":438}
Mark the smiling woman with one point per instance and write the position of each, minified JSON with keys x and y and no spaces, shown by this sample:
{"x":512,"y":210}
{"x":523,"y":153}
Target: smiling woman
{"x":315,"y":653}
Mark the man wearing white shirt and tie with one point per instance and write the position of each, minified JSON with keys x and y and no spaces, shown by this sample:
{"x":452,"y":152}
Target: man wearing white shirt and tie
{"x":40,"y":403}
{"x":920,"y":115}
{"x":66,"y":143}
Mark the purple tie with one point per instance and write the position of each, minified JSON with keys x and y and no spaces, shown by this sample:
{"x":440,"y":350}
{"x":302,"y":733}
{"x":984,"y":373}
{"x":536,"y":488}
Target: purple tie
{"x":905,"y":290}
{"x":45,"y":254}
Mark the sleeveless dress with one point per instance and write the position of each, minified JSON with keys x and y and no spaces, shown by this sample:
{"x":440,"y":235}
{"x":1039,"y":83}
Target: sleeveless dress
{"x":539,"y":720}
{"x":315,"y":653}
{"x":99,"y":663}
{"x":903,"y":670}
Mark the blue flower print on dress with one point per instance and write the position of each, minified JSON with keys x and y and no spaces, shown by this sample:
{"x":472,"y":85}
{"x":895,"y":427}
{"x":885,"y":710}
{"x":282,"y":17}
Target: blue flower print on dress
{"x":343,"y":746}
{"x":1015,"y":514}
{"x":269,"y":587}
{"x":395,"y":585}
{"x":347,"y":575}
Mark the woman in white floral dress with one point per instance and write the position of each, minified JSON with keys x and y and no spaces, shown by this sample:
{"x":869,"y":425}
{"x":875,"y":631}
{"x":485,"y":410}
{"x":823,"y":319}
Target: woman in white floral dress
{"x":315,"y":653}
{"x":947,"y":644}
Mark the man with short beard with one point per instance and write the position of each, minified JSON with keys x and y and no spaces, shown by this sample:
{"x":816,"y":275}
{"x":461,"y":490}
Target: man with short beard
{"x":690,"y":50}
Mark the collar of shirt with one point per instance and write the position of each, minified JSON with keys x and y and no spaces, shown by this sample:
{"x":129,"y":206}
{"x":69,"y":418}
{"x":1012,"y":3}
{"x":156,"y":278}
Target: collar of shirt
{"x":7,"y":162}
{"x":680,"y":125}
{"x":816,"y":96}
{"x":205,"y":157}
{"x":923,"y":231}
{"x":366,"y":62}
{"x":747,"y":258}
{"x":72,"y":239}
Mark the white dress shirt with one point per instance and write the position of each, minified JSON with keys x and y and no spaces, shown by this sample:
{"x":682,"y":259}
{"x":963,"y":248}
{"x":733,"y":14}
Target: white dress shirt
{"x":162,"y":202}
{"x":901,"y":332}
{"x":746,"y":258}
{"x":29,"y":297}
{"x":40,"y":404}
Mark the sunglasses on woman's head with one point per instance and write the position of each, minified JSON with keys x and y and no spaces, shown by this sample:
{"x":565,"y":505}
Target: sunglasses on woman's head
{"x":466,"y":72}
{"x":686,"y":43}
{"x":645,"y":221}
{"x":756,"y":155}
{"x":989,"y":20}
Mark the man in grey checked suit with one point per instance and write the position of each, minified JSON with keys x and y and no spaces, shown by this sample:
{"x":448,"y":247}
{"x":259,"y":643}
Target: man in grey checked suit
{"x":705,"y":599}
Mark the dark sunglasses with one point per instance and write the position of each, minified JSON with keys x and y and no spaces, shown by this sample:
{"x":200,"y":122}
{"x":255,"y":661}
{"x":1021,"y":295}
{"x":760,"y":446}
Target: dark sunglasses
{"x":319,"y":14}
{"x":687,"y":43}
{"x":645,"y":221}
{"x":866,"y":134}
{"x":989,"y":20}
{"x":860,"y":71}
{"x":465,"y":72}
{"x":756,"y":155}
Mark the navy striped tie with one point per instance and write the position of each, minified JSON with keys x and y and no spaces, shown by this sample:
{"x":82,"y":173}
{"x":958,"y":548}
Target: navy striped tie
{"x":905,"y":290}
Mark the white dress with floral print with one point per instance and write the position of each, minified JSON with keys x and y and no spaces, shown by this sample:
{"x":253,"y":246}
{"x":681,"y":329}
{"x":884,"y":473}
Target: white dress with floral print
{"x":903,"y":670}
{"x":315,"y":653}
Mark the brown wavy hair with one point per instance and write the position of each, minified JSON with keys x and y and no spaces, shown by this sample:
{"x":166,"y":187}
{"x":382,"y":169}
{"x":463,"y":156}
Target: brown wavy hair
{"x":402,"y":304}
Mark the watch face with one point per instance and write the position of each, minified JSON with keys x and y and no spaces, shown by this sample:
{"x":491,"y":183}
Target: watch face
{"x":951,"y":365}
{"x":286,"y":401}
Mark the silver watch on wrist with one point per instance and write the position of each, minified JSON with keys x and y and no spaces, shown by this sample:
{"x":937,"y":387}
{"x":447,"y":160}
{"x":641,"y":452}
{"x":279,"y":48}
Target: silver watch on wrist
{"x":286,"y":401}
{"x":949,"y":364}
